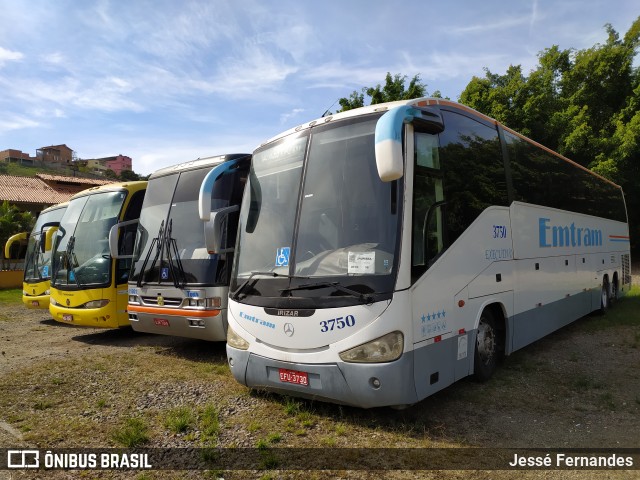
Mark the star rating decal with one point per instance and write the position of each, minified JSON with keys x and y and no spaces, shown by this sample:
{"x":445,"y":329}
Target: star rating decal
{"x":433,"y":322}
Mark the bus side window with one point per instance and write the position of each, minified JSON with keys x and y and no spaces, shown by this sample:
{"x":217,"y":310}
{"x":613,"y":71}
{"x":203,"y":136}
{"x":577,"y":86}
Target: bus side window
{"x":473,"y":169}
{"x":428,"y":235}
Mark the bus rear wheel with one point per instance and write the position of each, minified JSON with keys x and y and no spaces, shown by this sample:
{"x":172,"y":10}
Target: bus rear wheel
{"x":604,"y":297}
{"x":486,"y":352}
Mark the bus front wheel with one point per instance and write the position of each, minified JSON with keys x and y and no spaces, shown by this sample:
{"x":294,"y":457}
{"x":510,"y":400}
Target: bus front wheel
{"x":486,"y":352}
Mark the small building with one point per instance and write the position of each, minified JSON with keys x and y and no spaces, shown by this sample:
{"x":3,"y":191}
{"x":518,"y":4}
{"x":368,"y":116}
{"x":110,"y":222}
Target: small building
{"x":55,"y":155}
{"x":17,"y":156}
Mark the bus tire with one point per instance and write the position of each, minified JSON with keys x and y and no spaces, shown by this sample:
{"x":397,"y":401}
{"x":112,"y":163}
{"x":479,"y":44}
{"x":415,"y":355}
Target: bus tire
{"x":613,"y":294}
{"x":487,"y":350}
{"x":604,"y":296}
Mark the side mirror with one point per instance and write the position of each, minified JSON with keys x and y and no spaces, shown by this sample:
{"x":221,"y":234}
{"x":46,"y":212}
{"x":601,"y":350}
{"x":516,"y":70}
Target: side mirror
{"x":18,"y":237}
{"x":48,"y":239}
{"x":206,"y":189}
{"x":216,"y":230}
{"x":388,"y":137}
{"x":121,"y":247}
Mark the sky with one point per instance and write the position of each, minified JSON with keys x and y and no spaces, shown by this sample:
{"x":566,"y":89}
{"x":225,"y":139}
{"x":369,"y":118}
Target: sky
{"x":168,"y":81}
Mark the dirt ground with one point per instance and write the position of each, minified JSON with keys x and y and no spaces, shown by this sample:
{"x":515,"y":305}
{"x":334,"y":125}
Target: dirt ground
{"x":577,"y":388}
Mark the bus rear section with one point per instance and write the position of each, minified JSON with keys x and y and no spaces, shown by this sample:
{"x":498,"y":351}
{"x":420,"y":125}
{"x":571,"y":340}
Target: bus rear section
{"x":178,"y":286}
{"x":389,"y":251}
{"x":89,"y":286}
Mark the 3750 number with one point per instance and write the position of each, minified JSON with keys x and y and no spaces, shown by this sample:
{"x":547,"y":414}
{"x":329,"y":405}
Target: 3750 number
{"x":499,"y":231}
{"x":337,"y":323}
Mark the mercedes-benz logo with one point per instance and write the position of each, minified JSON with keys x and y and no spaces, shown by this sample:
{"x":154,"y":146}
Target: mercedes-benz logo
{"x":68,"y":302}
{"x":288,"y":329}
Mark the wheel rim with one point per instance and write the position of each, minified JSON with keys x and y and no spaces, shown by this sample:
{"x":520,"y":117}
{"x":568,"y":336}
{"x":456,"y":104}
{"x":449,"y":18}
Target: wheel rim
{"x":605,"y":296}
{"x":486,"y":342}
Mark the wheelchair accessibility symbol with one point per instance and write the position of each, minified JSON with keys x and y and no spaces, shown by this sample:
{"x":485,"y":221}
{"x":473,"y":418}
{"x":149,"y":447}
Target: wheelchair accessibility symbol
{"x":282,"y":256}
{"x":164,"y":274}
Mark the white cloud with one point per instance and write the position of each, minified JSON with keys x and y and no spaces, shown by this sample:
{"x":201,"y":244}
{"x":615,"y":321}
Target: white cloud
{"x":287,"y":116}
{"x":9,"y":55}
{"x":155,"y":155}
{"x":485,"y":28}
{"x":251,"y":72}
{"x":16,"y":122}
{"x":55,"y":58}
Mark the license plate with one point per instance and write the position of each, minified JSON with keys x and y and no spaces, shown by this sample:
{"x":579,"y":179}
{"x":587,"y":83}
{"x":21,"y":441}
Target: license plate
{"x":67,"y":318}
{"x":161,"y":322}
{"x":35,"y":303}
{"x":293,"y":376}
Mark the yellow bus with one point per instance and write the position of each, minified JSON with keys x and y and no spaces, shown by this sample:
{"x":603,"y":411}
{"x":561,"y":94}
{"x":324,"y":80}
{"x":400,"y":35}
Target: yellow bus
{"x":37,"y":263}
{"x":88,"y":286}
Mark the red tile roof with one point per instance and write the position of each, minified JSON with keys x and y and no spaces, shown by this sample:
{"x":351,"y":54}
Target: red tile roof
{"x":78,"y":180}
{"x":29,"y":190}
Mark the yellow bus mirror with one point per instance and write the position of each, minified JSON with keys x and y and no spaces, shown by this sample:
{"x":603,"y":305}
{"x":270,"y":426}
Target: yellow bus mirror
{"x":18,"y":237}
{"x":48,"y":238}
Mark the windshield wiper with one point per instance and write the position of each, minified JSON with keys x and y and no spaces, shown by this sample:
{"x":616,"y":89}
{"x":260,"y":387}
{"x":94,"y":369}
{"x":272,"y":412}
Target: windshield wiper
{"x":366,"y":298}
{"x":174,"y":255}
{"x":72,"y":260}
{"x":158,"y":244}
{"x":236,"y":293}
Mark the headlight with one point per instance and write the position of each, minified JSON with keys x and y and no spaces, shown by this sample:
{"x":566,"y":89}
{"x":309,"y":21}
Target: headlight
{"x":213,"y":302}
{"x":236,"y":341}
{"x":96,"y":304}
{"x":47,"y":292}
{"x":133,"y":299}
{"x":52,"y":301}
{"x":384,"y":349}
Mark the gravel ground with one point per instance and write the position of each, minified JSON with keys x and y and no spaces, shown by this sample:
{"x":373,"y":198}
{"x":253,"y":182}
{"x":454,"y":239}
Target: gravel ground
{"x":66,"y":387}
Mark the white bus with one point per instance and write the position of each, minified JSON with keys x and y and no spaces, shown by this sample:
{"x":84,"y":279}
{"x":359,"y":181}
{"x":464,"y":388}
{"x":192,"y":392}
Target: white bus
{"x":385,"y":252}
{"x":178,"y":287}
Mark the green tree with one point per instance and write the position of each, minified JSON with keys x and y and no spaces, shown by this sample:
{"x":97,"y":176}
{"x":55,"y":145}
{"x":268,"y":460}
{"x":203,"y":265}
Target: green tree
{"x":584,"y":104}
{"x":393,"y":89}
{"x":129,"y":175}
{"x":110,"y":174}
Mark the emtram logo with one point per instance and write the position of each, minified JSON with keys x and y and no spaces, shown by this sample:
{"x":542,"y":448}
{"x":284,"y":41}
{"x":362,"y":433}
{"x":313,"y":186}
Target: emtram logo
{"x":23,"y":459}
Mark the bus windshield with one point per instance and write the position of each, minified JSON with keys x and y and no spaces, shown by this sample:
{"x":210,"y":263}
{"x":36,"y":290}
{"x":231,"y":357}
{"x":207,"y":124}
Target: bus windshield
{"x":340,"y":231}
{"x":169,"y":222}
{"x":81,"y":254}
{"x":37,"y":264}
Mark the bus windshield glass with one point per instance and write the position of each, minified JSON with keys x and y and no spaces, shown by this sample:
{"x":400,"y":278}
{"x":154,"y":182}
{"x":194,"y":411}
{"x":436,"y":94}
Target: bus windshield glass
{"x":340,"y":230}
{"x":37,"y":264}
{"x":81,"y":255}
{"x":170,"y":222}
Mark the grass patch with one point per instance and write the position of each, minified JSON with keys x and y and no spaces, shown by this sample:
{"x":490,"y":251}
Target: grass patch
{"x":179,"y":420}
{"x":209,"y":423}
{"x":10,"y":295}
{"x":606,"y":401}
{"x":292,"y":406}
{"x":583,"y":383}
{"x":132,"y":434}
{"x":626,"y":312}
{"x":42,"y":405}
{"x":254,"y":426}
